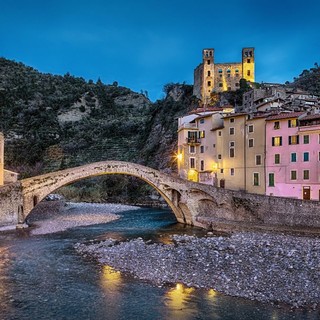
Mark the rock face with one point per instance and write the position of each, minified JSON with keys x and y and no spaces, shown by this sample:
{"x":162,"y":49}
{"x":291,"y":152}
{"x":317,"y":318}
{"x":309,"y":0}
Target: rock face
{"x":265,"y":267}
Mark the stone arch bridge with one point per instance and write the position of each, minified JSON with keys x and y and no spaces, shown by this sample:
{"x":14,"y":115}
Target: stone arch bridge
{"x":192,"y":203}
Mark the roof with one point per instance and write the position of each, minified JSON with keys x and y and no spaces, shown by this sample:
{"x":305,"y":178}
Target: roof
{"x":286,"y":115}
{"x":237,"y":114}
{"x":205,"y":109}
{"x":311,"y":117}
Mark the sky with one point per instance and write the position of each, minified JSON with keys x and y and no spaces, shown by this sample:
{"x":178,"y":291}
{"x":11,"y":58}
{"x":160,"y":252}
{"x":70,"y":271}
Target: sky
{"x":145,"y":44}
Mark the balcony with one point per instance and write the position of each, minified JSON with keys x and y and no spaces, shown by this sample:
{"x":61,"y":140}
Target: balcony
{"x":193,"y":141}
{"x":188,"y":125}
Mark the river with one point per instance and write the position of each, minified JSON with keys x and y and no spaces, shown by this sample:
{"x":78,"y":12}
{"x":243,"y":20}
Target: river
{"x":42,"y":277}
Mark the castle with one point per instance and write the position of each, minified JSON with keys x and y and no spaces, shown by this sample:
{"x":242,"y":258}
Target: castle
{"x":211,"y":77}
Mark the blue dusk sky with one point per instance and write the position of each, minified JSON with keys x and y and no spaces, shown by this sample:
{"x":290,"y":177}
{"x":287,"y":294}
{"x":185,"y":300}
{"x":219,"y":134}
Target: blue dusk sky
{"x":144,"y":44}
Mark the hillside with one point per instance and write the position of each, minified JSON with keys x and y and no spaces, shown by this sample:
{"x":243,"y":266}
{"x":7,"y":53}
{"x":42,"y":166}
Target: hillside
{"x":54,"y":122}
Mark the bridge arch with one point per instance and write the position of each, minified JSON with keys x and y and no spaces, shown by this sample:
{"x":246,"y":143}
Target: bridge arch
{"x":37,"y":188}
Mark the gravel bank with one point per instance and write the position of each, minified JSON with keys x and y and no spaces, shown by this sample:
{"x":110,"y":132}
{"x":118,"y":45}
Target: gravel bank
{"x":56,"y":216}
{"x":258,"y":266}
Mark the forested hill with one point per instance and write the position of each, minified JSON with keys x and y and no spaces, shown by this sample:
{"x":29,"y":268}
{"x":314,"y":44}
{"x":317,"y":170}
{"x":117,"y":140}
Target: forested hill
{"x":53,"y":122}
{"x":309,"y":80}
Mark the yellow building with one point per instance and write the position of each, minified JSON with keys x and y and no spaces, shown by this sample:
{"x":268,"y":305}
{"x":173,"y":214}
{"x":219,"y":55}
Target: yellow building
{"x":240,"y":153}
{"x":211,"y":77}
{"x":196,"y":145}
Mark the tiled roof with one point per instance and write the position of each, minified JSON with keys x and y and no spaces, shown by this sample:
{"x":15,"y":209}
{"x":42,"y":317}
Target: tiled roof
{"x":286,"y":115}
{"x":205,"y":110}
{"x":311,"y":117}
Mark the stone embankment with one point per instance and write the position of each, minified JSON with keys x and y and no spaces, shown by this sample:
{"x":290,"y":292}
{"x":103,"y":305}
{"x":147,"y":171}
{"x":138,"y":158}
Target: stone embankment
{"x":258,"y":266}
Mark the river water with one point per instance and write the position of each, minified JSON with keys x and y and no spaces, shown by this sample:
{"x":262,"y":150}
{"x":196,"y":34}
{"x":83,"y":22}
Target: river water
{"x":42,"y":277}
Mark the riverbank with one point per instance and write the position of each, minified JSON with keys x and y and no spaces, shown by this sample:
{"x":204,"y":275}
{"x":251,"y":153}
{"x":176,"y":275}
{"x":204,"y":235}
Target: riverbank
{"x":55,"y":216}
{"x":258,"y":266}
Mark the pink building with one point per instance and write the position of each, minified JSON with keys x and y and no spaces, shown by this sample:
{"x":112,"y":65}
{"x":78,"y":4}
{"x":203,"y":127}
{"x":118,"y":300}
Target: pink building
{"x":293,"y":155}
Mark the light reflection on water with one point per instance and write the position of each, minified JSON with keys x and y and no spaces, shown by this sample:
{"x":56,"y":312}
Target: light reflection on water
{"x":42,"y":277}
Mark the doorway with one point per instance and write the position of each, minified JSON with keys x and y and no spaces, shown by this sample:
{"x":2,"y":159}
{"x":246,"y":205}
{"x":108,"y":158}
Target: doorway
{"x":306,"y":193}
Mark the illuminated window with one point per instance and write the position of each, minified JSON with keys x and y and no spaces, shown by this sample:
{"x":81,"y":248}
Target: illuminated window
{"x":202,"y":134}
{"x":293,"y":175}
{"x":277,"y":158}
{"x":293,"y":140}
{"x":231,"y":131}
{"x":256,"y":179}
{"x":305,"y":174}
{"x":276,"y":125}
{"x":306,"y":139}
{"x":306,"y":156}
{"x":271,"y":179}
{"x":292,"y":123}
{"x":250,"y":143}
{"x":276,"y":141}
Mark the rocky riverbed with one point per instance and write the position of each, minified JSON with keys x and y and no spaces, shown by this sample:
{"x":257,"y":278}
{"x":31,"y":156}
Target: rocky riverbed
{"x":56,"y":216}
{"x":259,"y":266}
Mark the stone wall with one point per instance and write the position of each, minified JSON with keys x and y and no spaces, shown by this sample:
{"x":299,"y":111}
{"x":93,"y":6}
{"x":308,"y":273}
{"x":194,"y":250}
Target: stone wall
{"x":10,"y":204}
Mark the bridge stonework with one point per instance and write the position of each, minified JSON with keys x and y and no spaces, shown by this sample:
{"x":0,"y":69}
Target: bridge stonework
{"x":192,"y":203}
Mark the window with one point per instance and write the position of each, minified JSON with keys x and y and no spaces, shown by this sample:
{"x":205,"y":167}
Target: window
{"x":276,"y":125}
{"x":219,"y":156}
{"x":208,"y":61}
{"x":251,"y":143}
{"x":219,"y":133}
{"x":258,"y":160}
{"x":231,"y":152}
{"x":202,"y":134}
{"x":220,"y":71}
{"x":293,"y":175}
{"x":192,"y":149}
{"x":228,"y":70}
{"x":256,"y":180}
{"x":192,"y":163}
{"x":220,"y":84}
{"x":276,"y":141}
{"x":221,"y":170}
{"x":305,"y":174}
{"x":306,"y":139}
{"x":209,"y":73}
{"x":202,"y":165}
{"x":271,"y":179}
{"x":306,"y":156}
{"x":248,"y":73}
{"x":232,"y":120}
{"x":293,"y":157}
{"x":201,"y":149}
{"x":231,"y":131}
{"x":293,"y":140}
{"x":277,"y":158}
{"x":237,"y":84}
{"x":209,"y":83}
{"x":201,"y":121}
{"x":319,"y":156}
{"x":292,"y":123}
{"x":231,"y":144}
{"x":248,"y":61}
{"x":232,"y":171}
{"x":237,"y":71}
{"x":250,"y":128}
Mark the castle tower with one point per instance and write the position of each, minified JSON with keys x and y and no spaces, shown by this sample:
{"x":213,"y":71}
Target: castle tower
{"x":208,"y":74}
{"x":248,"y":64}
{"x":204,"y":76}
{"x":1,"y":159}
